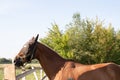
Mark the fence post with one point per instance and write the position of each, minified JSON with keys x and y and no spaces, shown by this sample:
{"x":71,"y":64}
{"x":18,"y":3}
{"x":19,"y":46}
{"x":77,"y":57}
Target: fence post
{"x":24,"y":76}
{"x":9,"y":72}
{"x":41,"y":74}
{"x":36,"y":78}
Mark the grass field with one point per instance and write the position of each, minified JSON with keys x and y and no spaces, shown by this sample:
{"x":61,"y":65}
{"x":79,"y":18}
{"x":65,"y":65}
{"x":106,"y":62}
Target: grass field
{"x":18,"y":71}
{"x":1,"y":74}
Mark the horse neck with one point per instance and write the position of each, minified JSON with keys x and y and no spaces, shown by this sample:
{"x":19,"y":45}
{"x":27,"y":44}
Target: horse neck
{"x":50,"y":61}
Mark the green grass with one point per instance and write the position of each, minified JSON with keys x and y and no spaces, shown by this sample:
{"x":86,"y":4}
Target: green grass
{"x":1,"y":73}
{"x":18,"y":71}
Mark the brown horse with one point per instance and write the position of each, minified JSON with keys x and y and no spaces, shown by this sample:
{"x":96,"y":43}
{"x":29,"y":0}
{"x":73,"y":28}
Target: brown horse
{"x":58,"y":68}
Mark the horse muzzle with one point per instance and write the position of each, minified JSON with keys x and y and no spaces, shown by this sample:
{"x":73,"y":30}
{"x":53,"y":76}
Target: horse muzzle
{"x":18,"y":62}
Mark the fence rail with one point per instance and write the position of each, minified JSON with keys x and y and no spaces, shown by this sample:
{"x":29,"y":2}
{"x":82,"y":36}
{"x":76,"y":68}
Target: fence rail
{"x":9,"y":73}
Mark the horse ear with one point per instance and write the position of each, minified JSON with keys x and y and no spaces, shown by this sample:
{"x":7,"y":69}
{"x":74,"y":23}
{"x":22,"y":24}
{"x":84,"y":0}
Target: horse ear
{"x":36,"y":38}
{"x":32,"y":40}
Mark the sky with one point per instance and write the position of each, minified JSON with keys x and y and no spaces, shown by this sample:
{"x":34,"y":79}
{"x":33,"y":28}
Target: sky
{"x":20,"y":20}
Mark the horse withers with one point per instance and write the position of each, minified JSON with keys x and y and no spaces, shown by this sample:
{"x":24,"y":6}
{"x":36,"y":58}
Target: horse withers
{"x":58,"y":68}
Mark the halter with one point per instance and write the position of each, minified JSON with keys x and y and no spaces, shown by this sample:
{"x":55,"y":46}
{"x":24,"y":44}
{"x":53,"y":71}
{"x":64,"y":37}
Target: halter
{"x":31,"y":53}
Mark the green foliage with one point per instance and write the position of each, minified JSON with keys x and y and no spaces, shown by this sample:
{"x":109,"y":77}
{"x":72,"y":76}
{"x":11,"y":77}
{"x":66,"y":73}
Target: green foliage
{"x":86,"y":41}
{"x":58,"y":41}
{"x":5,"y":61}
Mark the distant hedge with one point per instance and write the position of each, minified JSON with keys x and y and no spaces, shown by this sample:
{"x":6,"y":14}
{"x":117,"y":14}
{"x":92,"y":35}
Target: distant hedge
{"x":5,"y":61}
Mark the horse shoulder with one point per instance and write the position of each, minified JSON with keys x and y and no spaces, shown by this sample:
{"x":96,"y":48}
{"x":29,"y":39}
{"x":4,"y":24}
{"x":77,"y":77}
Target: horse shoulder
{"x":66,"y":72}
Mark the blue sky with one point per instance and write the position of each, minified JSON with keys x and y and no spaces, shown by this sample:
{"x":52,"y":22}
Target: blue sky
{"x":22,"y":19}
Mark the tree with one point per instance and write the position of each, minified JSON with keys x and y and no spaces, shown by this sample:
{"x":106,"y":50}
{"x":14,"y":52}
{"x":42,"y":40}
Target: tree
{"x":86,"y":41}
{"x":5,"y":61}
{"x":58,"y":41}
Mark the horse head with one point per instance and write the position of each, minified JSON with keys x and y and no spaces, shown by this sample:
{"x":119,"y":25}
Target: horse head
{"x":27,"y":52}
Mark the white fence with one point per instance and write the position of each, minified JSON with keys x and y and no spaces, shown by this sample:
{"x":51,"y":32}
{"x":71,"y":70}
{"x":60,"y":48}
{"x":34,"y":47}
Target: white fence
{"x":9,"y":73}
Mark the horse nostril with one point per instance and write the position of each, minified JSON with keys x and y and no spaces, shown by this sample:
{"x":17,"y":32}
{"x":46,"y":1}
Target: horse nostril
{"x":14,"y":61}
{"x":18,"y":62}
